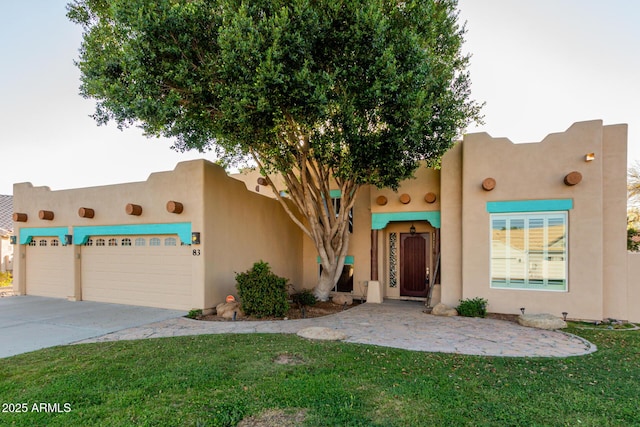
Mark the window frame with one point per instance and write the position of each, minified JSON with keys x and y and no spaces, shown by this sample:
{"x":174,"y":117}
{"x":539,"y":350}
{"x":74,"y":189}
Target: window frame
{"x":528,"y":284}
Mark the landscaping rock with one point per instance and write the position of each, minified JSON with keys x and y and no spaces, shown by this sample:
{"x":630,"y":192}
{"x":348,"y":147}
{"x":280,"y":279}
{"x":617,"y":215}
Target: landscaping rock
{"x":341,"y":299}
{"x":444,"y":310}
{"x":226,"y":310}
{"x":542,"y":321}
{"x":320,"y":333}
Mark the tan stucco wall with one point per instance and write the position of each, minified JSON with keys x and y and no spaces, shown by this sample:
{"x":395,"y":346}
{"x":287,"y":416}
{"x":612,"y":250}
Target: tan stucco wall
{"x":241,"y":228}
{"x":451,"y":228}
{"x":614,"y":239}
{"x":536,"y":171}
{"x":183,"y":184}
{"x":633,"y":286}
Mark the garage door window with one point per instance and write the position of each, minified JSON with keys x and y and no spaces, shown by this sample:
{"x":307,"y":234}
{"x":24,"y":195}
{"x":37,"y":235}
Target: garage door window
{"x":43,"y":242}
{"x":154,"y":241}
{"x":32,"y":243}
{"x":126,"y":242}
{"x":89,"y":242}
{"x":170,"y":241}
{"x":100,"y":242}
{"x":141,"y":242}
{"x":55,"y":242}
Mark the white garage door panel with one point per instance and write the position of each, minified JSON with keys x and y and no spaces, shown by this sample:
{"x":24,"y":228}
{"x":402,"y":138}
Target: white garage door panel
{"x":48,"y":271}
{"x":157,"y":276}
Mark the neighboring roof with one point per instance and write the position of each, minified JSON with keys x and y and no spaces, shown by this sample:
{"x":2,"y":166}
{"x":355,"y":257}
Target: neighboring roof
{"x":6,"y":214}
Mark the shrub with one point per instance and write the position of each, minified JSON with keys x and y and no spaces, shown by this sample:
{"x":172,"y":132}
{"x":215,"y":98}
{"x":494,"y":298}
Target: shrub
{"x":194,"y":314}
{"x":261,"y":292}
{"x":473,"y":307}
{"x":304,"y":297}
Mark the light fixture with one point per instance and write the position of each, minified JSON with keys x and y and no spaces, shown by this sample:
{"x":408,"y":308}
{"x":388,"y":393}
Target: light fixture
{"x":564,"y":316}
{"x":412,"y":230}
{"x":522,"y":310}
{"x":589,"y":157}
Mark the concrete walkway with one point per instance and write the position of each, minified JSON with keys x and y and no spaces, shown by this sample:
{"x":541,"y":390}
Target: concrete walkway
{"x":400,"y":324}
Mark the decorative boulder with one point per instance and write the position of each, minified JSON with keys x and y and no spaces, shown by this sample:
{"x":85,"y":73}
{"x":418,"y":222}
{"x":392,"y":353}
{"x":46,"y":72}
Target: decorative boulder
{"x":444,"y":310}
{"x":226,"y":310}
{"x":342,"y":299}
{"x":321,"y":333}
{"x":542,"y":321}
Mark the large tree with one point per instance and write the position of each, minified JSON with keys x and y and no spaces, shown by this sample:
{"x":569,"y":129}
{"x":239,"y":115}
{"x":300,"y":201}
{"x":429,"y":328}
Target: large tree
{"x":321,"y":93}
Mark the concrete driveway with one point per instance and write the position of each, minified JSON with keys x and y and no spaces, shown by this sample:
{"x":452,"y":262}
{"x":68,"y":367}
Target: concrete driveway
{"x":29,"y":323}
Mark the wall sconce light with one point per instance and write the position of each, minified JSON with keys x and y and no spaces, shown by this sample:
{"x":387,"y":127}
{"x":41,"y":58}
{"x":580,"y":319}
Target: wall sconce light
{"x":589,"y":157}
{"x":564,"y":316}
{"x":195,"y":238}
{"x":68,"y":239}
{"x":522,"y":310}
{"x":412,"y":230}
{"x":13,"y":240}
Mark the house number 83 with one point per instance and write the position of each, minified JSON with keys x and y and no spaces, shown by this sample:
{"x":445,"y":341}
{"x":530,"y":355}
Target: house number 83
{"x":196,"y":252}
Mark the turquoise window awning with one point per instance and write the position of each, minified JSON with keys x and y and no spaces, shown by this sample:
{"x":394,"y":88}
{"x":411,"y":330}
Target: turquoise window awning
{"x":380,"y":220}
{"x":27,"y":233}
{"x":513,"y":206}
{"x":182,"y":229}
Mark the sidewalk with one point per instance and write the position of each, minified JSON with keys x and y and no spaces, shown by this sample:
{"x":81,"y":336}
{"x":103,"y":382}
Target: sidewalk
{"x":399,"y":324}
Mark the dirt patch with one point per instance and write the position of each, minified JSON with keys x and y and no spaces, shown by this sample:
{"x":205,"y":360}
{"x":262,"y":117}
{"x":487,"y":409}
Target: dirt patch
{"x":288,"y":359}
{"x":276,"y":417}
{"x":320,"y":309}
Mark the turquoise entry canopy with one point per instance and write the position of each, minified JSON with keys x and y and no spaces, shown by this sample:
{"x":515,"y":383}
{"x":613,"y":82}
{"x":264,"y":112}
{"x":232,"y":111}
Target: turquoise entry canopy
{"x":380,"y":220}
{"x":182,"y":229}
{"x":511,"y":206}
{"x":348,"y":260}
{"x":26,"y":234}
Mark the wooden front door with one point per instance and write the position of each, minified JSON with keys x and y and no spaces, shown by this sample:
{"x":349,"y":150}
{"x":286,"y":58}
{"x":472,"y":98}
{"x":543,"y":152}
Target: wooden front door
{"x":414,"y":262}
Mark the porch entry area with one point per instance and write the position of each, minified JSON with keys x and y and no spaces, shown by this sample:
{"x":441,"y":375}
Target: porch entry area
{"x":406,"y":254}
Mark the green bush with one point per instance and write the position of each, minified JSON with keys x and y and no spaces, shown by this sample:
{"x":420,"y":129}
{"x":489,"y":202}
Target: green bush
{"x":261,"y":292}
{"x":473,"y":307}
{"x":304,"y":297}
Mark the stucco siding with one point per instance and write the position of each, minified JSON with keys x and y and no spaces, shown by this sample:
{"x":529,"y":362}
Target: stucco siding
{"x":535,"y":171}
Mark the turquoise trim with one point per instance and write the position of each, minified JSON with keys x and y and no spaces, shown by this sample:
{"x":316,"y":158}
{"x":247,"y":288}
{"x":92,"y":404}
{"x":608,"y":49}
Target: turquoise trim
{"x":347,"y":260}
{"x":182,"y":229}
{"x":380,"y":220}
{"x":335,"y":194}
{"x":26,"y":234}
{"x":511,"y":206}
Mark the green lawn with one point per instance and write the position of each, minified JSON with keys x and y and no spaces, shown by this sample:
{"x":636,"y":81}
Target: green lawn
{"x":219,"y":380}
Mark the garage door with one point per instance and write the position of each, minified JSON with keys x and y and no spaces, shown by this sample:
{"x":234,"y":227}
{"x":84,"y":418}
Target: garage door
{"x":151,"y":271}
{"x":49,"y":271}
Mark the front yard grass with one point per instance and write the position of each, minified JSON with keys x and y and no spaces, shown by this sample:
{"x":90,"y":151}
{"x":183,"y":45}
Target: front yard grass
{"x":219,"y":380}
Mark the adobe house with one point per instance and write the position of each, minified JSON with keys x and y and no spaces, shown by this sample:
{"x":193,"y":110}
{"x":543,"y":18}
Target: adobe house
{"x":539,"y":225}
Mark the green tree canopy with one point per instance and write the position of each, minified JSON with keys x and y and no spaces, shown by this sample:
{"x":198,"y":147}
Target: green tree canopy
{"x":320,"y":92}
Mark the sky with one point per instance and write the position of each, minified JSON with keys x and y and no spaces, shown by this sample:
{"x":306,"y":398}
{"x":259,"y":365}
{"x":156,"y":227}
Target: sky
{"x":539,"y":65}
